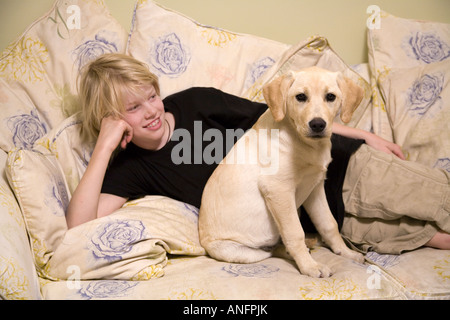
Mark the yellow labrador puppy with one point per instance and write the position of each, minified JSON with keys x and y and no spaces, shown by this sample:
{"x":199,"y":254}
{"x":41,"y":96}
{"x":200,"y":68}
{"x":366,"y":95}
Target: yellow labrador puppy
{"x":248,"y":204}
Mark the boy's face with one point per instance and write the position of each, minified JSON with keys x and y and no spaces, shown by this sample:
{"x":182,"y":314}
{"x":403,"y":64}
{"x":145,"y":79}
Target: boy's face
{"x":146,"y":115}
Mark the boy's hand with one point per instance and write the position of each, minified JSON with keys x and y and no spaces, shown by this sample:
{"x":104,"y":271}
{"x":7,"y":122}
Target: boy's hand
{"x":113,"y":132}
{"x":381,"y":144}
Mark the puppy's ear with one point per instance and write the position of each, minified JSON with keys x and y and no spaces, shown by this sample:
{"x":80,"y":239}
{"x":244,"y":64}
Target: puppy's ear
{"x":352,"y":95}
{"x":275,"y":94}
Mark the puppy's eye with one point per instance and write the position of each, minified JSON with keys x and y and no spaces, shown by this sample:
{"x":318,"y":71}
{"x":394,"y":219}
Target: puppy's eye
{"x":330,"y":97}
{"x":301,"y":97}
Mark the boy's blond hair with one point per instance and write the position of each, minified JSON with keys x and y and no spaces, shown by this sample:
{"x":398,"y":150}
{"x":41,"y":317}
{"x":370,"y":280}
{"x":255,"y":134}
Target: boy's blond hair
{"x":103,"y":85}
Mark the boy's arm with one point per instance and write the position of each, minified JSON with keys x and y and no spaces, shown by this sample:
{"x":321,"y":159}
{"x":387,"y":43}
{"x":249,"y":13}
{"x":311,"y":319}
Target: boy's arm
{"x":371,"y":139}
{"x":87,"y":202}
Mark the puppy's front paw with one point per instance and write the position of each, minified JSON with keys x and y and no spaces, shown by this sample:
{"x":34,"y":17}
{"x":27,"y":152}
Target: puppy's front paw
{"x":351,"y":254}
{"x":317,"y":270}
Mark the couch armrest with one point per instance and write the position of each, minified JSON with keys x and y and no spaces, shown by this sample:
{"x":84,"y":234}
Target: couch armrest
{"x":18,"y":275}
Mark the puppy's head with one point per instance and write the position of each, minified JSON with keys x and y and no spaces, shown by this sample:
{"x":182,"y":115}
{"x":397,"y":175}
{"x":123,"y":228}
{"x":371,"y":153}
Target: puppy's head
{"x":311,"y":98}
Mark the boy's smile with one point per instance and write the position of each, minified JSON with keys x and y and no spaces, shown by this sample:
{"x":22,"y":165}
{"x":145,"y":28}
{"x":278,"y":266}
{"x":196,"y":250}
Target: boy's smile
{"x":154,"y":125}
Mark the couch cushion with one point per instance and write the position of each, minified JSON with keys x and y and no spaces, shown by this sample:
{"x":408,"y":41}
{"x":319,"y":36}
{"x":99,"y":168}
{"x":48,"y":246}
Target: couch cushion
{"x":184,"y":53}
{"x":41,"y":191}
{"x":19,"y":279}
{"x":422,"y":273}
{"x":398,"y":44}
{"x":38,"y":71}
{"x":410,"y":64}
{"x":203,"y":278}
{"x":418,"y":106}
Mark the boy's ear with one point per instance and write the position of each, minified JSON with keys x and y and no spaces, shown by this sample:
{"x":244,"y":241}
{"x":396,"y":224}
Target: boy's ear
{"x":275,"y":94}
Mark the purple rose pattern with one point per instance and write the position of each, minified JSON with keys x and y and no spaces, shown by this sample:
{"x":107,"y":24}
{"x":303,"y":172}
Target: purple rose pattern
{"x":258,"y":69}
{"x":92,"y":49}
{"x":114,"y":239}
{"x":250,"y":270}
{"x":169,"y":56}
{"x":107,"y":289}
{"x":425,"y":92}
{"x":58,"y":197}
{"x":443,"y":163}
{"x":428,"y":47}
{"x":26,"y":129}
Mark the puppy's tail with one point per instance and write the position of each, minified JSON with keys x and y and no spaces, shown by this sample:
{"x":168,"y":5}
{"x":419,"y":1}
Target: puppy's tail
{"x":235,"y":252}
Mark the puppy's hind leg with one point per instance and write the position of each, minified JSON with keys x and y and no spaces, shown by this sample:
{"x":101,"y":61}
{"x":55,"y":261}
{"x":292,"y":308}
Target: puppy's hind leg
{"x":232,"y":251}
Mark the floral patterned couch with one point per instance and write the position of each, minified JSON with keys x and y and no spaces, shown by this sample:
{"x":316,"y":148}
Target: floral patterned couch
{"x":149,"y":249}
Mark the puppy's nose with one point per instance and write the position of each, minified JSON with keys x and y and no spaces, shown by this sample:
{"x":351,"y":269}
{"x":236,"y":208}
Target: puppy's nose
{"x":317,"y":125}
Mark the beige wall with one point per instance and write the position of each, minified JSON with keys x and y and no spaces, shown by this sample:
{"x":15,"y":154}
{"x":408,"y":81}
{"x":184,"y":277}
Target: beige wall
{"x":343,"y":22}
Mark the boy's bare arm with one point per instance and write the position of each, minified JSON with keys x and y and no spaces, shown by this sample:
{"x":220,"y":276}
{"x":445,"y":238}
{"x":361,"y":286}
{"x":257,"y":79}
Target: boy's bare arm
{"x":371,"y":139}
{"x":87,"y":202}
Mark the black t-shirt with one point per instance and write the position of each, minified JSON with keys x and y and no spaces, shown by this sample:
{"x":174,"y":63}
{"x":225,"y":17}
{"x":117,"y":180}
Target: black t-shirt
{"x":181,"y":173}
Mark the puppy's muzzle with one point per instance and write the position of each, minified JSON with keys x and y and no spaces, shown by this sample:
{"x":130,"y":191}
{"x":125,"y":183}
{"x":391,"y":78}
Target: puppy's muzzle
{"x":317,"y":127}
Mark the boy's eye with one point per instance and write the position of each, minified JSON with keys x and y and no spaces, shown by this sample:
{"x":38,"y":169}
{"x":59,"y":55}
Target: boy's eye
{"x":133,"y":108}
